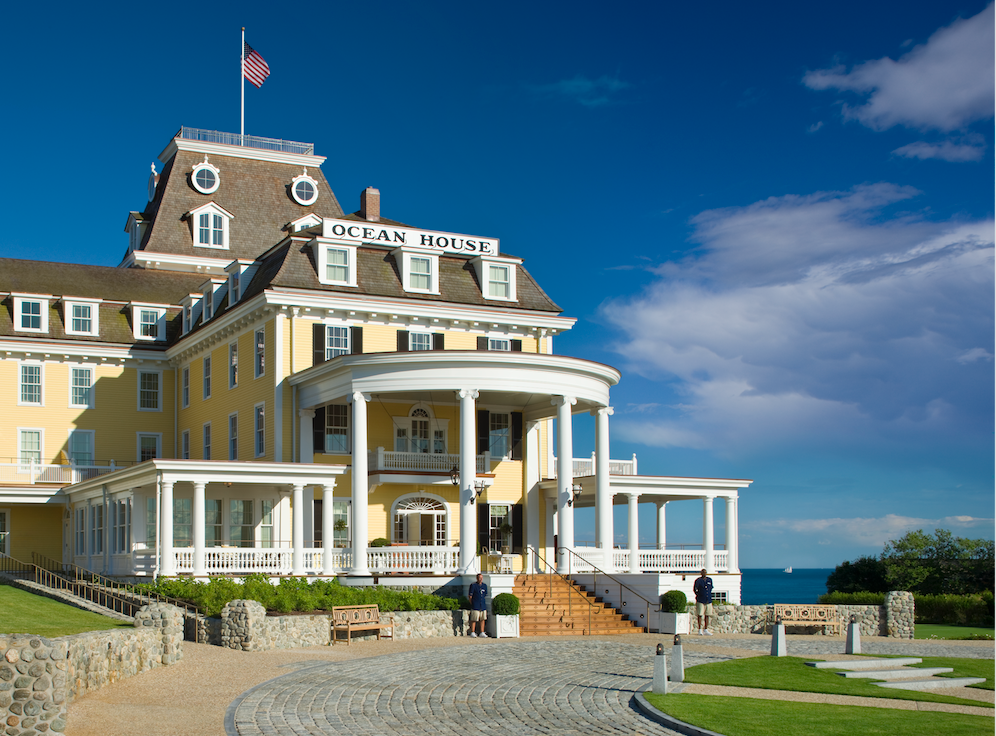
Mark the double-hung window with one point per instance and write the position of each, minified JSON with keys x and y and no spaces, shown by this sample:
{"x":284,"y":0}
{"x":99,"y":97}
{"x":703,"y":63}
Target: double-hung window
{"x":419,"y":270}
{"x":81,"y":388}
{"x":207,"y":442}
{"x":120,"y":526}
{"x":185,"y":444}
{"x":233,"y":437}
{"x":499,"y":431}
{"x":241,"y":529}
{"x":259,"y":429}
{"x":421,"y":274}
{"x":336,"y":341}
{"x":81,"y":318}
{"x":213,"y":527}
{"x":419,"y":341}
{"x":149,"y":387}
{"x":337,"y":429}
{"x":149,"y":323}
{"x":207,"y":376}
{"x":148,"y":446}
{"x":259,"y":357}
{"x":29,"y":448}
{"x":233,"y":365}
{"x":97,"y":530}
{"x":266,"y":523}
{"x":183,"y":522}
{"x":499,"y":343}
{"x":185,"y":388}
{"x":336,"y":263}
{"x":81,"y":447}
{"x":79,"y":529}
{"x":31,"y":385}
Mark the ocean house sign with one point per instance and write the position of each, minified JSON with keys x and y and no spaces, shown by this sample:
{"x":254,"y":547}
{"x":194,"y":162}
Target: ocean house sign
{"x":395,"y":237}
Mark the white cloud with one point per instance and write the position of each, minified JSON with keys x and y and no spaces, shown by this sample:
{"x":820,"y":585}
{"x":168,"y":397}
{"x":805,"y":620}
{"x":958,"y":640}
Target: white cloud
{"x":945,"y":150}
{"x":588,"y":92}
{"x":944,"y":84}
{"x":871,"y":532}
{"x":815,"y":319}
{"x":815,"y":126}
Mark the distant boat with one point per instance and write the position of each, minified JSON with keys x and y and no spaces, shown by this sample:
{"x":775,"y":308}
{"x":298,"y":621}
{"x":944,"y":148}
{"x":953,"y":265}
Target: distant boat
{"x":788,"y":569}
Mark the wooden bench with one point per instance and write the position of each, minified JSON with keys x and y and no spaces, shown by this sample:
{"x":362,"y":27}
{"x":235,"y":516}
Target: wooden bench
{"x":814,"y":615}
{"x":358,"y":618}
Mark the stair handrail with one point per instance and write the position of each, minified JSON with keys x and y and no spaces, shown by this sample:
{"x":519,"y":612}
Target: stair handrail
{"x":571,"y":587}
{"x":51,"y":570}
{"x":596,"y":571}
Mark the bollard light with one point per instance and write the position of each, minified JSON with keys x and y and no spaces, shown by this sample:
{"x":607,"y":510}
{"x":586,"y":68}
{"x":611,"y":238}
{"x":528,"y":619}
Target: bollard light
{"x":677,"y":640}
{"x":660,"y":649}
{"x":854,"y":618}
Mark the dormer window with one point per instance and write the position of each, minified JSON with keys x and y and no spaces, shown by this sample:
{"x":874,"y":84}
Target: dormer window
{"x":235,"y":286}
{"x":191,"y":311}
{"x":419,"y":270}
{"x":135,"y":227}
{"x":205,"y":177}
{"x":81,"y":317}
{"x":210,"y":226}
{"x":497,"y":277}
{"x":31,"y":313}
{"x":304,"y":189}
{"x":309,"y":220}
{"x":336,"y":263}
{"x":149,"y":322}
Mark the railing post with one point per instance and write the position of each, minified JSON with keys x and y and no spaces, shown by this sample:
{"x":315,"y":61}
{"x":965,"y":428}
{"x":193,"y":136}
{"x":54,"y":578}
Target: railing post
{"x":31,"y":470}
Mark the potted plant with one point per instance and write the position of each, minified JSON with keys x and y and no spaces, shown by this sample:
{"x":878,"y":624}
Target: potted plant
{"x":340,"y":526}
{"x":674,"y":617}
{"x":505,"y":610}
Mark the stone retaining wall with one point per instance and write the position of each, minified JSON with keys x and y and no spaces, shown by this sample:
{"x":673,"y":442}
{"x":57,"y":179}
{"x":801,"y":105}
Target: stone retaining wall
{"x":39,"y":677}
{"x":244,"y":625}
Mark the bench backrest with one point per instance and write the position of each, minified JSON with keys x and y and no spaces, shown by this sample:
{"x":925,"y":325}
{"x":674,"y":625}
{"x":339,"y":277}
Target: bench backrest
{"x":815,"y":613}
{"x":369,"y":614}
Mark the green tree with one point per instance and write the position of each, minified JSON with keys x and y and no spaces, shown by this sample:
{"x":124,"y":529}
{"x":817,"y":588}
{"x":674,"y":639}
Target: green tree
{"x":938,"y":563}
{"x":865,"y":574}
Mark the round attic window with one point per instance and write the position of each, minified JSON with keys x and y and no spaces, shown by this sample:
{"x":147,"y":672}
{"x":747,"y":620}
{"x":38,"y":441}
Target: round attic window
{"x":304,"y":189}
{"x":205,"y":178}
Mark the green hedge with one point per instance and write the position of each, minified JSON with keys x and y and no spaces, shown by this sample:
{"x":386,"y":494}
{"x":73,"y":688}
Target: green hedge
{"x":294,"y":594}
{"x":967,"y":610}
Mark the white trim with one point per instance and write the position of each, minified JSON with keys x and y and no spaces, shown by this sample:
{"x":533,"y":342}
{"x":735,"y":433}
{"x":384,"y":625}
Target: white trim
{"x":308,"y":220}
{"x":42,"y":301}
{"x":212,"y":210}
{"x":407,"y":255}
{"x":482,"y":265}
{"x":322,"y":246}
{"x":137,"y":309}
{"x":20,"y":383}
{"x":257,"y":154}
{"x":159,"y":389}
{"x":68,"y":318}
{"x":205,"y":166}
{"x":294,"y":193}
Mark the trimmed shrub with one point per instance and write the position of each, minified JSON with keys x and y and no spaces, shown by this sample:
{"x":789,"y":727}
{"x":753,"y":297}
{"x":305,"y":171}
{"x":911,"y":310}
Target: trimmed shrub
{"x":674,"y":601}
{"x":380,"y":542}
{"x":966,"y":610}
{"x":852,"y":599}
{"x":505,"y":604}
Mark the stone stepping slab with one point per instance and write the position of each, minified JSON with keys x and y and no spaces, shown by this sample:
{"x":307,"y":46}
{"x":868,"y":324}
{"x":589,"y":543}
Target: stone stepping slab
{"x":933,"y":683}
{"x":865,"y":664}
{"x":902,"y":673}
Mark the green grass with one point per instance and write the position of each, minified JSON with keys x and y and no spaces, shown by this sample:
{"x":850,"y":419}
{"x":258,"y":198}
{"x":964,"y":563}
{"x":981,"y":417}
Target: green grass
{"x":964,"y":668}
{"x":789,"y":673}
{"x":24,"y":613}
{"x":944,"y":631}
{"x":750,"y":717}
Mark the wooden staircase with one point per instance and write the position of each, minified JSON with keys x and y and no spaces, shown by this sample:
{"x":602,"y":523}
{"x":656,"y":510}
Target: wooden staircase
{"x":553,"y":606}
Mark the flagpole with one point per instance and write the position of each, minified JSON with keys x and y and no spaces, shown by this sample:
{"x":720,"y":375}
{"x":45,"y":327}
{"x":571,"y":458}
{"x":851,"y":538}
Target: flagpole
{"x":242,"y":78}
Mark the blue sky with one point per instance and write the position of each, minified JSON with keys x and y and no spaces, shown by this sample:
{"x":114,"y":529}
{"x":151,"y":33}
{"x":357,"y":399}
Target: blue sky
{"x":776,"y":220}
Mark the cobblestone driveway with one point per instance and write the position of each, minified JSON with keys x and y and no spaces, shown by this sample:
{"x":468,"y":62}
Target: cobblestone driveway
{"x":570,"y":687}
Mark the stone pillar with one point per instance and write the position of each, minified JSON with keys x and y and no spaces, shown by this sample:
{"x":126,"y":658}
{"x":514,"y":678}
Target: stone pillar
{"x":328,"y":530}
{"x":662,"y":525}
{"x":306,"y":438}
{"x":200,"y":568}
{"x":167,"y":560}
{"x":297,"y":531}
{"x":361,"y":484}
{"x":243,"y":626}
{"x":899,"y":614}
{"x":532,"y":517}
{"x":604,"y":531}
{"x":732,"y":533}
{"x":634,"y":532}
{"x":565,"y":479}
{"x":707,"y":534}
{"x":169,"y":620}
{"x":468,"y":474}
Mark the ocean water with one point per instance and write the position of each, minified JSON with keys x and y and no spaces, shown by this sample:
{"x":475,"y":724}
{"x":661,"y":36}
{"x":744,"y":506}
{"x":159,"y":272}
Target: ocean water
{"x":759,"y":586}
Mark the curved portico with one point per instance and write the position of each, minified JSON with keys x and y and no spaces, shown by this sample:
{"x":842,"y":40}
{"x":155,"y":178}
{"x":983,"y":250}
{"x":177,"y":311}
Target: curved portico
{"x":536,"y":386}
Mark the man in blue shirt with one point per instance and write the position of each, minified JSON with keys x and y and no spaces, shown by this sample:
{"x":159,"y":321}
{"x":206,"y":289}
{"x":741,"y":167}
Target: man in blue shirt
{"x":702,"y":587}
{"x":478,"y":606}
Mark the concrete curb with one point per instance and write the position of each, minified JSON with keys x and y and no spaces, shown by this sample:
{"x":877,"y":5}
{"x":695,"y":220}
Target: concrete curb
{"x":644,"y":706}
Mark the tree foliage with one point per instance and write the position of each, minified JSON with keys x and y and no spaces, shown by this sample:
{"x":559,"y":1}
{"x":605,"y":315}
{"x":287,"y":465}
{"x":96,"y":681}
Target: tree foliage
{"x":928,"y":564}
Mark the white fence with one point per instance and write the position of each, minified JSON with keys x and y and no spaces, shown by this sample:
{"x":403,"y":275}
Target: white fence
{"x":380,"y":560}
{"x":422,"y":462}
{"x":28,"y":471}
{"x":585,"y":466}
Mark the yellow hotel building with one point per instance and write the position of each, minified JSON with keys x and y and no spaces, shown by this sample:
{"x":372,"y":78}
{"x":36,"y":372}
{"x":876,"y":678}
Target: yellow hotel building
{"x":268,"y":382}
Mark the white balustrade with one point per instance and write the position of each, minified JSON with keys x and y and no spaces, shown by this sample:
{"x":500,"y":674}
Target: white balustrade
{"x":423,"y":560}
{"x":382,"y":560}
{"x":32,"y":472}
{"x":422,"y":462}
{"x":583,"y":467}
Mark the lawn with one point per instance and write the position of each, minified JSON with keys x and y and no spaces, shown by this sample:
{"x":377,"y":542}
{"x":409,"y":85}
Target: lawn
{"x":944,"y":631}
{"x":790,"y":673}
{"x":748,"y":717}
{"x":24,"y":613}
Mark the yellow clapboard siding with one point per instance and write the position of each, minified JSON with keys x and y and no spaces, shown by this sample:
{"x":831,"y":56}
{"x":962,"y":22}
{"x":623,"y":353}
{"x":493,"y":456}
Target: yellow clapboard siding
{"x":36,"y":528}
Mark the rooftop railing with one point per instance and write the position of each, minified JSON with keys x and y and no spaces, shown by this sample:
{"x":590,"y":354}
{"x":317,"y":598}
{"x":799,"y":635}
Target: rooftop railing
{"x":247,"y":141}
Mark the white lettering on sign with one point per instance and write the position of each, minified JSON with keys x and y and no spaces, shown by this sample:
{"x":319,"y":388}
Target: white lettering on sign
{"x":368,"y":232}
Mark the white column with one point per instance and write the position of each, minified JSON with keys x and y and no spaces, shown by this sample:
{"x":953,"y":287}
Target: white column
{"x":306,"y":441}
{"x":662,"y":525}
{"x":309,"y":517}
{"x":732,"y":534}
{"x":167,"y":561}
{"x":200,"y":568}
{"x":604,"y":532}
{"x":565,"y":479}
{"x":468,"y":474}
{"x":634,"y":532}
{"x":532,"y":517}
{"x":328,"y":529}
{"x":361,"y":484}
{"x":297,"y":531}
{"x":707,"y":534}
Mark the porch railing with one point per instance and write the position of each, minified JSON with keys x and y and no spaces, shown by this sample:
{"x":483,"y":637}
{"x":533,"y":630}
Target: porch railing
{"x":585,"y":466}
{"x":380,"y":560}
{"x":32,"y":472}
{"x":422,"y":462}
{"x":670,"y":560}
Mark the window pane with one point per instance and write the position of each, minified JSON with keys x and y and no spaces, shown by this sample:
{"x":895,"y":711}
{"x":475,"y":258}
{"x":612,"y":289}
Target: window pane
{"x":149,"y":323}
{"x":338,"y":342}
{"x":30,"y":384}
{"x":498,"y":434}
{"x":337,"y":265}
{"x":499,"y":344}
{"x":82,"y":380}
{"x":419,"y":341}
{"x":241,"y":523}
{"x":421,"y":273}
{"x":260,"y":352}
{"x":337,"y":429}
{"x":82,"y":318}
{"x":218,"y":233}
{"x":149,"y":390}
{"x":233,"y":437}
{"x":148,"y":447}
{"x":212,"y":523}
{"x":81,"y":448}
{"x":498,"y":281}
{"x":233,"y":365}
{"x":30,"y":450}
{"x":204,"y":229}
{"x":182,"y":522}
{"x":31,"y":315}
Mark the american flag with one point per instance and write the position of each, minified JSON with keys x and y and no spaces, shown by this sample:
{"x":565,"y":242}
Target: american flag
{"x":254,"y":68}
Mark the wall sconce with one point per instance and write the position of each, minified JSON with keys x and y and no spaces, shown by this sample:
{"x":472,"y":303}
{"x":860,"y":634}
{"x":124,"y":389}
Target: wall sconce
{"x":479,"y":486}
{"x":575,"y":491}
{"x":455,"y":476}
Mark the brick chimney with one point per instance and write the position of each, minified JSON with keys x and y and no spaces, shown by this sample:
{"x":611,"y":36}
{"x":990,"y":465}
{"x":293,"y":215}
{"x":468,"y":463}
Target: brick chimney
{"x":370,"y":204}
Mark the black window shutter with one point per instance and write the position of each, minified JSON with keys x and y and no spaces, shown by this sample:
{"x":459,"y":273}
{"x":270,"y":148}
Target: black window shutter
{"x":516,"y":435}
{"x":482,"y":342}
{"x":483,"y":525}
{"x":517,"y":529}
{"x":318,"y":344}
{"x":483,"y":431}
{"x":438,"y":341}
{"x":402,"y":341}
{"x":356,"y":340}
{"x":516,"y":346}
{"x":318,"y":425}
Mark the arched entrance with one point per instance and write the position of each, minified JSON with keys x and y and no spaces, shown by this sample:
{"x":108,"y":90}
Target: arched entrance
{"x":420,"y":520}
